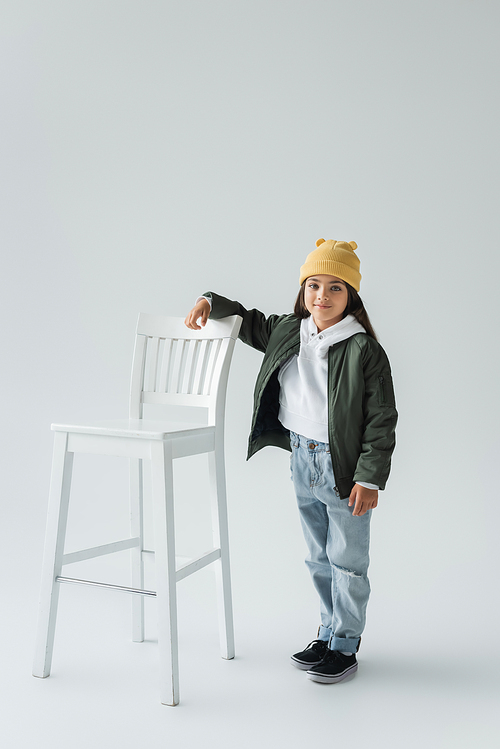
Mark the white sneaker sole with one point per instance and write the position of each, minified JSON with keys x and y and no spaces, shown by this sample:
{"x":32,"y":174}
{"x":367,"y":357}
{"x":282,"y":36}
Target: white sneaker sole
{"x":324,"y":679}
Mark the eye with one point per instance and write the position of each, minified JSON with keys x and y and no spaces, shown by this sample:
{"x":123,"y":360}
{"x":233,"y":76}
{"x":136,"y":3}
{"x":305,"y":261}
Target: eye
{"x":313,"y":285}
{"x":336,"y":288}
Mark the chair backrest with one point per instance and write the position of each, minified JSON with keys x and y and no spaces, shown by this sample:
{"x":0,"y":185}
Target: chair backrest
{"x":176,"y":366}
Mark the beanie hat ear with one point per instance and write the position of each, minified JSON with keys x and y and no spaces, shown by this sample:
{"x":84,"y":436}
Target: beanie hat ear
{"x":321,"y":241}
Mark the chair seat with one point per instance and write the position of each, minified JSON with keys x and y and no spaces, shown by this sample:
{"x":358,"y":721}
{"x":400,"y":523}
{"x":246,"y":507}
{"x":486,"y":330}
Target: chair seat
{"x":147,"y":429}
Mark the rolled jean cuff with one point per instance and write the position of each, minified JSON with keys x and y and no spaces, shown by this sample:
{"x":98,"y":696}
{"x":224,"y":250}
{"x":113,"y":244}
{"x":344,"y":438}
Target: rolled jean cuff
{"x":346,"y":644}
{"x":324,"y":633}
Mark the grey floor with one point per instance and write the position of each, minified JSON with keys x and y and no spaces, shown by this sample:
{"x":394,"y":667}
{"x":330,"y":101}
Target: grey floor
{"x":103,"y":690}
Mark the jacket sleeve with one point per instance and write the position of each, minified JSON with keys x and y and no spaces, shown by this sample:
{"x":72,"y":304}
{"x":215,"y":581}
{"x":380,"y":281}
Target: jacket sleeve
{"x":380,"y":415}
{"x":255,"y":329}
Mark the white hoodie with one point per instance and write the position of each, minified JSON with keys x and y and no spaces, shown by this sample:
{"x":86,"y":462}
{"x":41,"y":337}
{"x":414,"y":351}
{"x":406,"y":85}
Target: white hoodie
{"x":303,"y":378}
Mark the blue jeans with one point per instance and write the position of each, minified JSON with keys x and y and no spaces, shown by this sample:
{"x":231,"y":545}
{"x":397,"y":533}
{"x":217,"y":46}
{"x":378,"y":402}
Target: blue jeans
{"x":338,"y":544}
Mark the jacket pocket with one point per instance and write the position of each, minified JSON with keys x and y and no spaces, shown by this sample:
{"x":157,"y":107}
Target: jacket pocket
{"x":385,"y":390}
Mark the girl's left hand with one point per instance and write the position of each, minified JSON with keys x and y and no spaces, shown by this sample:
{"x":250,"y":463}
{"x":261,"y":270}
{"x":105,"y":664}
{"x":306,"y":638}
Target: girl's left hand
{"x":363,"y":499}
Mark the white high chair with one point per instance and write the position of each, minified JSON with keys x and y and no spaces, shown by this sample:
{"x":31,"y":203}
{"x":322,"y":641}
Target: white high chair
{"x":172,"y":365}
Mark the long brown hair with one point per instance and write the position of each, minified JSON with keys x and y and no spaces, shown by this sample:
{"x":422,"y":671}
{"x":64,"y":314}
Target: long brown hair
{"x":354,"y":307}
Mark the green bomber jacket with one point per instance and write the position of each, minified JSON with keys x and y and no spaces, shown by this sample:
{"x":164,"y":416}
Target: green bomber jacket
{"x":362,"y":412}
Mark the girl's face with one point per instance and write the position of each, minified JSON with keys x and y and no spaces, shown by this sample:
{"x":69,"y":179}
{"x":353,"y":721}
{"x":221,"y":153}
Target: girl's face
{"x":326,"y":299}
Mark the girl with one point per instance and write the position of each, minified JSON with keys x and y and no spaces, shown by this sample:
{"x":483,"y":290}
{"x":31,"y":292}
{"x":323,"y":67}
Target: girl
{"x":324,"y":391}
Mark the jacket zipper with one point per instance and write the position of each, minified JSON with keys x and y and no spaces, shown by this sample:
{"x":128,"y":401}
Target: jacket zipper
{"x":272,"y":367}
{"x":335,"y":488}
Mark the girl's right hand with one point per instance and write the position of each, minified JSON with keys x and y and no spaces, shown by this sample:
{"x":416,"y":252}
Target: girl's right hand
{"x":200,"y":312}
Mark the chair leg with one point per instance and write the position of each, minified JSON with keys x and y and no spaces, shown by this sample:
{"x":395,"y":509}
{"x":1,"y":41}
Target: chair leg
{"x":60,"y":483}
{"x":221,"y":540}
{"x":166,"y":581}
{"x":137,"y":562}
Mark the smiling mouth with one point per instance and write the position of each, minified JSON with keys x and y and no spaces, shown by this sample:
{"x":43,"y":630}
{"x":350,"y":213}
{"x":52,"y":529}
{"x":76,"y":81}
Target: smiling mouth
{"x":322,"y":306}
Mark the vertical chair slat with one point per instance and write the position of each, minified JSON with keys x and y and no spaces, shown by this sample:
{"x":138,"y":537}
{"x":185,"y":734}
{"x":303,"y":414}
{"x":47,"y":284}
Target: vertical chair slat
{"x":203,"y":367}
{"x":212,"y":364}
{"x":175,"y":366}
{"x":137,"y":381}
{"x":151,"y":363}
{"x":155,"y":362}
{"x":162,"y":344}
{"x":166,"y":366}
{"x":183,"y":350}
{"x":185,"y":374}
{"x":195,"y":345}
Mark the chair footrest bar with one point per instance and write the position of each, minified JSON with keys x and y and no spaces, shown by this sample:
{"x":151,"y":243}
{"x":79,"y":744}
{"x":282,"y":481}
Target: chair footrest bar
{"x":99,"y":551}
{"x":197,"y":564}
{"x":135,"y":591}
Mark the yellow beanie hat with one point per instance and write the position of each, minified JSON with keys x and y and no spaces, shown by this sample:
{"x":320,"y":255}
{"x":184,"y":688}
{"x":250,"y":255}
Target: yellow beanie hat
{"x":333,"y":259}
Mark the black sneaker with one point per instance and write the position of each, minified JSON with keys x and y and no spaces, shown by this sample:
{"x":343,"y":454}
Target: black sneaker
{"x":334,"y":667}
{"x":311,"y":656}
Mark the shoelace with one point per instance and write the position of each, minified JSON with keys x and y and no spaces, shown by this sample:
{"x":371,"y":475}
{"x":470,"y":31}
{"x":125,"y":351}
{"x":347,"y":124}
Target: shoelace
{"x":334,"y":655}
{"x":317,"y":645}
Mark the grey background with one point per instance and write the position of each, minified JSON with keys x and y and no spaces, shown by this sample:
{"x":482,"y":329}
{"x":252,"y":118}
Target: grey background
{"x":151,"y":151}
